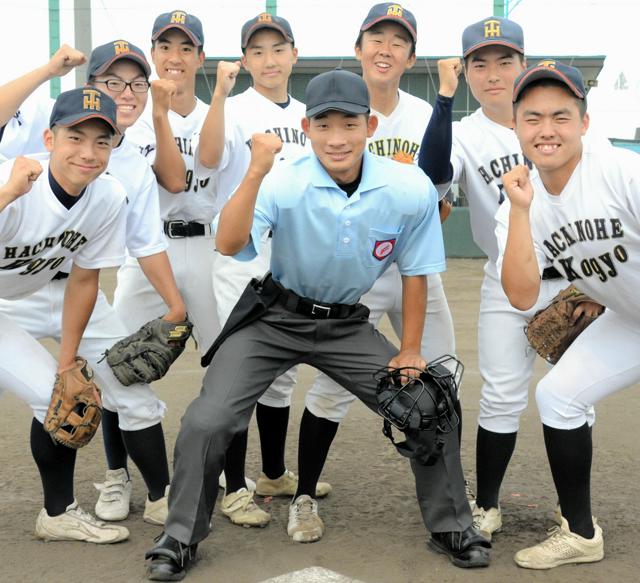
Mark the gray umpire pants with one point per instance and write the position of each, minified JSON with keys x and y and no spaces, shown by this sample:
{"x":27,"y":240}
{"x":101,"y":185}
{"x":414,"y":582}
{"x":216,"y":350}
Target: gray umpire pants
{"x":349,"y":351}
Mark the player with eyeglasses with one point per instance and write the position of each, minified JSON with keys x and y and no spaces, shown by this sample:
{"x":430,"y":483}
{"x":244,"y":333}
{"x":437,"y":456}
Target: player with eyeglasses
{"x":118,"y":85}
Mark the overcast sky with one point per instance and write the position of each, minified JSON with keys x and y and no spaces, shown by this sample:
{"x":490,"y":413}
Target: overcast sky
{"x":329,"y":28}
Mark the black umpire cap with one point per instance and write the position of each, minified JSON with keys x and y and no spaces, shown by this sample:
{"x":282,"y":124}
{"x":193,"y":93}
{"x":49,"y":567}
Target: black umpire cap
{"x":78,"y":105}
{"x":337,"y":90}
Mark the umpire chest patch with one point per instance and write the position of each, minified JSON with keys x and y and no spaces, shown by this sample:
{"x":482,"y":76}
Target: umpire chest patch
{"x":382,"y":249}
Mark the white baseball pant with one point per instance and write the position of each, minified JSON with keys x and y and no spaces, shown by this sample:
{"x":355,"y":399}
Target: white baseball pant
{"x":505,"y":358}
{"x":604,"y":359}
{"x":192,"y":260}
{"x":40,"y":316}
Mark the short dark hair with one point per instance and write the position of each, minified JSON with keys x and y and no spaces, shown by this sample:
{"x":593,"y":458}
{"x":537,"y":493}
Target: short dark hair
{"x":412,"y":51}
{"x":244,"y":49}
{"x":581,"y":103}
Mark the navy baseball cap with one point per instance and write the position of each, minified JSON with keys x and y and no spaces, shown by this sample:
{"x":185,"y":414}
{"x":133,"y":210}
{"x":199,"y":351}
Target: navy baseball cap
{"x":265,"y":20}
{"x":187,"y":23}
{"x":394,"y":13}
{"x":78,"y":105}
{"x":550,"y":69}
{"x":337,"y":90}
{"x":104,"y":56}
{"x":492,"y":31}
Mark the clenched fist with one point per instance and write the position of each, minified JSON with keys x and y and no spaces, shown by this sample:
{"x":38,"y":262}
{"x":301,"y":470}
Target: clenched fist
{"x":24,"y":173}
{"x":518,"y":187}
{"x":449,"y":70}
{"x":64,"y":60}
{"x":264,"y":148}
{"x":162,"y":90}
{"x":226,"y":76}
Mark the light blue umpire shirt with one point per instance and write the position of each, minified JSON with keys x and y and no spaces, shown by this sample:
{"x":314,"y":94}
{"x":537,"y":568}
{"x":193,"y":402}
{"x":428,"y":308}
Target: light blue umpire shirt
{"x":330,"y":247}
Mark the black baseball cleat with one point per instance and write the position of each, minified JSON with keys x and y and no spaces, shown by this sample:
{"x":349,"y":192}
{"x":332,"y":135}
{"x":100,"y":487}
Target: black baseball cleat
{"x":467,"y":549}
{"x":170,"y":559}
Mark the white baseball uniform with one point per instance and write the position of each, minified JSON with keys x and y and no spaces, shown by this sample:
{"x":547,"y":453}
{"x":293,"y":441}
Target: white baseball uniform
{"x":246,"y":114}
{"x":591,"y":233}
{"x":138,"y":406}
{"x":192,"y":258}
{"x":398,"y":136}
{"x":23,"y":132}
{"x":482,"y":151}
{"x":38,"y":235}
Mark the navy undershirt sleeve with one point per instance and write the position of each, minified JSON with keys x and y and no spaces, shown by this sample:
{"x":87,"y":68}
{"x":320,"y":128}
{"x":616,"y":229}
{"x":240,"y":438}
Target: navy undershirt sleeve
{"x":435,"y":151}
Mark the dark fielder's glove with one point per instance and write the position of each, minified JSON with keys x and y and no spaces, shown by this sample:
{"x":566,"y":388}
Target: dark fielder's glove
{"x":75,"y":410}
{"x":553,"y":329}
{"x":422,"y":407}
{"x":147,"y":354}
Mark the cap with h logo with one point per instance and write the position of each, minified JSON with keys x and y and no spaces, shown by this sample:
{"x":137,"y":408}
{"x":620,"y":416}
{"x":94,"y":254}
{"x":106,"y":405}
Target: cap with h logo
{"x":187,"y":23}
{"x":78,"y":105}
{"x":550,"y":69}
{"x":337,"y":90}
{"x":104,"y":56}
{"x":492,"y":31}
{"x":391,"y":12}
{"x":265,"y":20}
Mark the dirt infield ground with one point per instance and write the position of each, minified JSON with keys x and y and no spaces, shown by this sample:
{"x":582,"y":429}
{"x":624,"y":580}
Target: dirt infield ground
{"x":374,"y":531}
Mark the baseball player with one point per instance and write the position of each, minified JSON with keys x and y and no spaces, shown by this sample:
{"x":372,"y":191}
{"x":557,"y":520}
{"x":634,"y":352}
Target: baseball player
{"x":23,"y":120}
{"x":223,"y":154}
{"x":131,"y":415}
{"x":304,"y":318}
{"x":476,"y":152}
{"x":57,"y":208}
{"x":580,"y":214}
{"x":385,"y":48}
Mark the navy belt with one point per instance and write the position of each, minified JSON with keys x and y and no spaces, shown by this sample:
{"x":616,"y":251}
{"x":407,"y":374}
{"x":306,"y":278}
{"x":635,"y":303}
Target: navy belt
{"x":306,"y":306}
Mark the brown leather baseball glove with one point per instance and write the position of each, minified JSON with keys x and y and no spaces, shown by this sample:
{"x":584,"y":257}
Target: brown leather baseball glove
{"x":75,"y":410}
{"x":554,"y":328}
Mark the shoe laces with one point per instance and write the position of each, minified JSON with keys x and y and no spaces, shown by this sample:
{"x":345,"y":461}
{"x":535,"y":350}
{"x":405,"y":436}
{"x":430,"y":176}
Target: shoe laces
{"x":304,"y":510}
{"x":86,"y":516}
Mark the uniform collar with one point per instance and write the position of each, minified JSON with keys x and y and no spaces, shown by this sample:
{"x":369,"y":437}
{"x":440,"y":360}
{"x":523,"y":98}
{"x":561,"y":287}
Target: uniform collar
{"x":371,"y":178}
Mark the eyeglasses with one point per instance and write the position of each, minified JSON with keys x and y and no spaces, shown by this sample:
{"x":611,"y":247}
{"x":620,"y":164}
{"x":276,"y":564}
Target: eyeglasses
{"x":118,"y":86}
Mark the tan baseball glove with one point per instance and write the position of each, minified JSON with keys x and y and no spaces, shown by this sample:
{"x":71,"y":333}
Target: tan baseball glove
{"x":554,"y":328}
{"x":75,"y":410}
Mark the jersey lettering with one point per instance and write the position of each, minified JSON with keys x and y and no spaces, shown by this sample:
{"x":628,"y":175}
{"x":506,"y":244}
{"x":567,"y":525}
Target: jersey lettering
{"x":286,"y":134}
{"x":399,"y":149}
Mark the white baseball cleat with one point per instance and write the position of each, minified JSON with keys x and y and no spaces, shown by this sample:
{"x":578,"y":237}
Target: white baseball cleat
{"x":562,"y":547}
{"x":240,"y":508}
{"x":76,"y":524}
{"x":115,"y":495}
{"x":156,"y":512}
{"x":487,"y":521}
{"x":305,"y":525}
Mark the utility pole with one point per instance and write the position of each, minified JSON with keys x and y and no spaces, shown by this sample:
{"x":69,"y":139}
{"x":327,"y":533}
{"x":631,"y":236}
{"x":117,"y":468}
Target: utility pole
{"x":82,"y":29}
{"x":272,"y":7}
{"x":500,"y":8}
{"x":54,"y":42}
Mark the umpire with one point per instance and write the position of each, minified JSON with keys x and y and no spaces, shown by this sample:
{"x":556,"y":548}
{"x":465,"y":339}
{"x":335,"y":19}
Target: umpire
{"x":337,"y":211}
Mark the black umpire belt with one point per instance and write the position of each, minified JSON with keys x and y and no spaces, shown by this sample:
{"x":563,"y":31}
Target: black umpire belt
{"x":551,"y":273}
{"x":306,"y":306}
{"x":182,"y":229}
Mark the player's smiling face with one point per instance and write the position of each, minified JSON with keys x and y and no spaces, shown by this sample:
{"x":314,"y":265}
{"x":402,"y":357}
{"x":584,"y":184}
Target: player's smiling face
{"x":550,"y":126}
{"x":176,"y":58}
{"x":338,"y":140}
{"x":490,"y":73}
{"x":79,"y":154}
{"x":385,"y":53}
{"x":130,"y":104}
{"x":269,"y":58}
